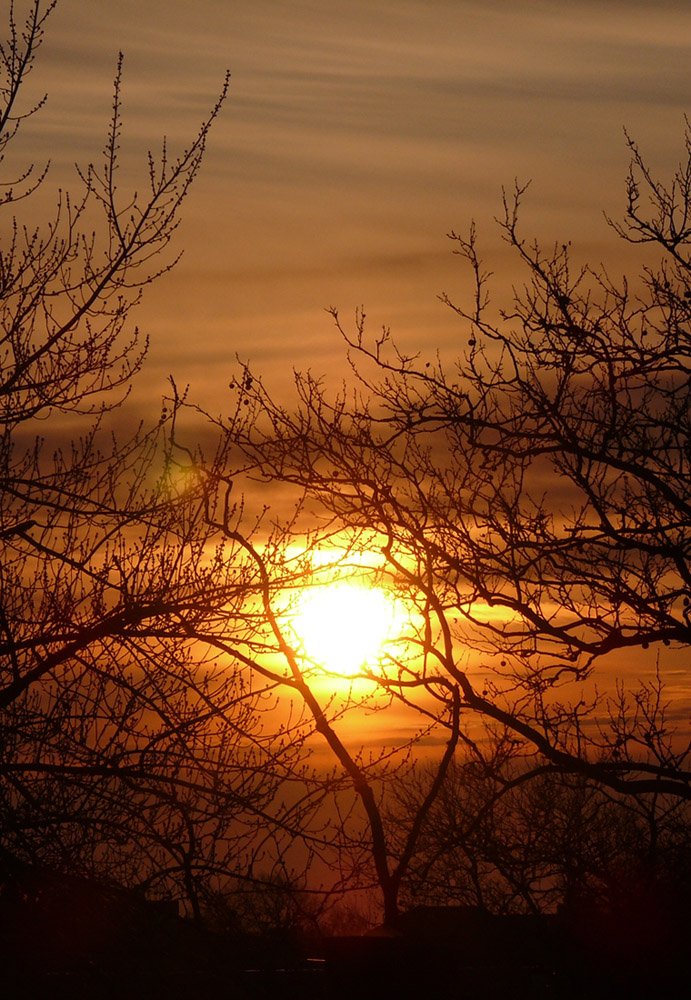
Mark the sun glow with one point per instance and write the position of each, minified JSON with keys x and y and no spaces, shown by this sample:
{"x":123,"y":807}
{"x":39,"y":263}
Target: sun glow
{"x":344,"y":628}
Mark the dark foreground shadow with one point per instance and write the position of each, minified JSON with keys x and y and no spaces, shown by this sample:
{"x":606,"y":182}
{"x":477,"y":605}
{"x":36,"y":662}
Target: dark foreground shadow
{"x":67,"y":938}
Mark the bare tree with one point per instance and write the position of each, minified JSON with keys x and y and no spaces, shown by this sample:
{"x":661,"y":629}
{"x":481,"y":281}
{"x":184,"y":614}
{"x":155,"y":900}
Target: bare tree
{"x":129,"y":749}
{"x":529,"y":505}
{"x":515,"y":842}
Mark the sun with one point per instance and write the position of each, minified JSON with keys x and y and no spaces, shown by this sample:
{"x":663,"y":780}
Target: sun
{"x":343,"y":627}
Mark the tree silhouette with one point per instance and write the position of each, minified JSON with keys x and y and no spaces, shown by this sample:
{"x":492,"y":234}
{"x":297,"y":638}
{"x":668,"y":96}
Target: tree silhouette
{"x":129,"y":751}
{"x":529,"y":504}
{"x":512,"y":845}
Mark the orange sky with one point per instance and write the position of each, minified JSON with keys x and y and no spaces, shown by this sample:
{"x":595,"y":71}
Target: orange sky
{"x":356,"y":135}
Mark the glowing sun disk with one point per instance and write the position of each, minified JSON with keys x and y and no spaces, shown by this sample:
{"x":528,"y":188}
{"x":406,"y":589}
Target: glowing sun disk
{"x":343,"y":627}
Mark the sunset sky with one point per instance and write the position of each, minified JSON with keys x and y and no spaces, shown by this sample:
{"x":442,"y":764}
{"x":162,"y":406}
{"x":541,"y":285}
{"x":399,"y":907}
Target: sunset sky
{"x":356,"y":135}
{"x":274,"y":643}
